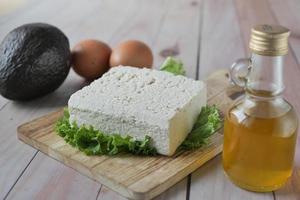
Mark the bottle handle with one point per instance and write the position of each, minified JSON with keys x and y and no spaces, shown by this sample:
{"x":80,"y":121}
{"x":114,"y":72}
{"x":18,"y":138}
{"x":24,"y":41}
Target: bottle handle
{"x":239,"y":71}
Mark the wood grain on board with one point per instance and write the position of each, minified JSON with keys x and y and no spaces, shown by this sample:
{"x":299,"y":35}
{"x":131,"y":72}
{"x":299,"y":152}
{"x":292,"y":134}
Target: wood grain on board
{"x":132,"y":176}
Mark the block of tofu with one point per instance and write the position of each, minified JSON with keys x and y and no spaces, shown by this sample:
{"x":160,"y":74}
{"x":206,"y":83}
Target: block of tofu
{"x":140,"y":102}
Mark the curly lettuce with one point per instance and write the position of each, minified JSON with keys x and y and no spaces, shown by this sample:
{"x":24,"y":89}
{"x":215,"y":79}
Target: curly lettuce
{"x":173,"y":66}
{"x":208,"y":122}
{"x":94,"y":142}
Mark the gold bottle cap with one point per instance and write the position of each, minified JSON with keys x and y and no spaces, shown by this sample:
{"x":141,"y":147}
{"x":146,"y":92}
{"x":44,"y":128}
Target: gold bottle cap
{"x":269,"y":40}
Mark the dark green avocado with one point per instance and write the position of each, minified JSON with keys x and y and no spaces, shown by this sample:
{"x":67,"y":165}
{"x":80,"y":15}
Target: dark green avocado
{"x":34,"y":61}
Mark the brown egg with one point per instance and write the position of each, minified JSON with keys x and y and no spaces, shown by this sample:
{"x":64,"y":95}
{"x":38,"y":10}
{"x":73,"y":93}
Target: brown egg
{"x":131,"y":53}
{"x":90,"y":58}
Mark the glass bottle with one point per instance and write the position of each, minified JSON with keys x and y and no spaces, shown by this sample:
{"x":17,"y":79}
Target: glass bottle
{"x":260,"y":129}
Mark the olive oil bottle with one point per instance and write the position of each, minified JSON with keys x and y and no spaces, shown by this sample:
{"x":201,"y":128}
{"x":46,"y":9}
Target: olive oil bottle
{"x":260,"y":130}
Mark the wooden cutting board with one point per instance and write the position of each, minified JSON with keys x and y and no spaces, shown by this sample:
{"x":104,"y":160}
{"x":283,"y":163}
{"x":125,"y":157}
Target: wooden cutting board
{"x":134,"y":177}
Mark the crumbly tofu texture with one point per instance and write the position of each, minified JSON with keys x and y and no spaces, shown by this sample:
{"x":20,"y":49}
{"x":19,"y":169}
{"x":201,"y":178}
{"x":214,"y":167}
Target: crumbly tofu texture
{"x":140,"y":102}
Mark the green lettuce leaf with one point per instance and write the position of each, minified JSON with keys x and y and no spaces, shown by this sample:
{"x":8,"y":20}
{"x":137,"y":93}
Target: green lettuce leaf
{"x":173,"y":66}
{"x":208,"y":122}
{"x":94,"y":142}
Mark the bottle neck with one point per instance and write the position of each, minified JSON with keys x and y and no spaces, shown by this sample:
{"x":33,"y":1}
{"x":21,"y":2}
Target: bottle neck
{"x":265,"y":77}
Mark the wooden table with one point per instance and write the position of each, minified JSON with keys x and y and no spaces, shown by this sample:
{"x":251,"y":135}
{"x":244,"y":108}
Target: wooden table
{"x":205,"y":34}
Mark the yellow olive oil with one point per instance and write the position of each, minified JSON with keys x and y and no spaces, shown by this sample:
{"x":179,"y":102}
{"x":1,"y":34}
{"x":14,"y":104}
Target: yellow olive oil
{"x":259,"y":143}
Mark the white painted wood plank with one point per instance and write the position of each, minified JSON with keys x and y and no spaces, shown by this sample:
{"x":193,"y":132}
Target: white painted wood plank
{"x":210,"y":183}
{"x":179,"y":34}
{"x":221,"y":45}
{"x":15,"y":155}
{"x":287,"y":14}
{"x":107,"y":194}
{"x":51,"y":176}
{"x":177,"y":192}
{"x":8,"y":6}
{"x":3,"y":102}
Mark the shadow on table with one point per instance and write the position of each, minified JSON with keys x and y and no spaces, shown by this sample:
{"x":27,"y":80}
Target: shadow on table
{"x":210,"y":182}
{"x":56,"y":99}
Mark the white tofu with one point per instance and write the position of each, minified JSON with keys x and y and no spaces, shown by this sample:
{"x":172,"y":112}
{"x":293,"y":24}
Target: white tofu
{"x":140,"y":102}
